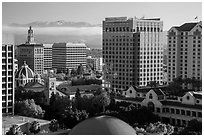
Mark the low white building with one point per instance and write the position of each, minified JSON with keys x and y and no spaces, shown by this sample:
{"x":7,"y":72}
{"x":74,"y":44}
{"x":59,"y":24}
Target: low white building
{"x":176,"y":112}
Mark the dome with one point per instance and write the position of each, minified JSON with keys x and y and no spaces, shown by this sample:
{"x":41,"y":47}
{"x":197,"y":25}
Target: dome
{"x":24,"y":72}
{"x":102,"y":125}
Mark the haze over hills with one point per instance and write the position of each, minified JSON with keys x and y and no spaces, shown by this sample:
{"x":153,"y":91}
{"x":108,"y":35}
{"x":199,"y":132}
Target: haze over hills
{"x":61,"y":31}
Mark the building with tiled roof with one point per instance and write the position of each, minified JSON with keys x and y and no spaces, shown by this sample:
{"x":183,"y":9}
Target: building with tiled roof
{"x":178,"y":111}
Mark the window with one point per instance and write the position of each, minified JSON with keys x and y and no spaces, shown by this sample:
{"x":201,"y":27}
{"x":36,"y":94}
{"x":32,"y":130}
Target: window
{"x":182,"y":112}
{"x":158,"y":110}
{"x":187,"y":97}
{"x":177,"y":111}
{"x":130,"y":91}
{"x":172,"y":110}
{"x":199,"y":114}
{"x":197,"y":101}
{"x":188,"y":113}
{"x":150,"y":96}
{"x":193,"y":113}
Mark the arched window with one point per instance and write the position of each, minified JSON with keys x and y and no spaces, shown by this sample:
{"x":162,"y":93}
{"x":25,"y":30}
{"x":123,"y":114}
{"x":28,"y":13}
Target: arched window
{"x":150,"y":96}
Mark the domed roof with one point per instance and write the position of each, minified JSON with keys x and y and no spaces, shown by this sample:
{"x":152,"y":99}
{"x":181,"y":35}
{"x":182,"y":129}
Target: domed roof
{"x":102,"y":125}
{"x":24,"y":72}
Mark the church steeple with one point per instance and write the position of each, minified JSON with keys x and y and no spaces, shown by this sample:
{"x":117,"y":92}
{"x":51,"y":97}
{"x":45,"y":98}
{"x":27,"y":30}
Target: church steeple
{"x":30,"y":39}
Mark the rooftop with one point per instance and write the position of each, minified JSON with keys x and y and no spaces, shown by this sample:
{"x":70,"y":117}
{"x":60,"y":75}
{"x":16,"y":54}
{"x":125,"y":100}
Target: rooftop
{"x":30,"y":45}
{"x":186,"y":26}
{"x":73,"y":89}
{"x":130,"y":99}
{"x":69,"y":44}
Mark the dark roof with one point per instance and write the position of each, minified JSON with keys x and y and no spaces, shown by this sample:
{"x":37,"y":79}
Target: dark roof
{"x":179,"y":104}
{"x":186,"y":27}
{"x":73,"y":89}
{"x":130,"y":99}
{"x":30,"y":45}
{"x":158,"y":91}
{"x":34,"y":85}
{"x":147,"y":89}
{"x":152,"y":19}
{"x":198,"y":96}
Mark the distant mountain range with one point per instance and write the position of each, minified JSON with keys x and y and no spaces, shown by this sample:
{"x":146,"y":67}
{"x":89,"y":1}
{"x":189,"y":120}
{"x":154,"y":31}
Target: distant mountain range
{"x":60,"y":23}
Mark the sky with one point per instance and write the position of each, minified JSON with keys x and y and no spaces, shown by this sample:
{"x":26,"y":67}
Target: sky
{"x":171,"y":13}
{"x":175,"y":13}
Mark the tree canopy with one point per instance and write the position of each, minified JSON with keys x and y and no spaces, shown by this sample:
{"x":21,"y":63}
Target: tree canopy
{"x":28,"y":108}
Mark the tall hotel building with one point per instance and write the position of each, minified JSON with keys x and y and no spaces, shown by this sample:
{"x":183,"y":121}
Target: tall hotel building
{"x":68,"y":55}
{"x":47,"y":56}
{"x":132,"y":51}
{"x":32,"y":53}
{"x":7,"y":74}
{"x":184,"y":51}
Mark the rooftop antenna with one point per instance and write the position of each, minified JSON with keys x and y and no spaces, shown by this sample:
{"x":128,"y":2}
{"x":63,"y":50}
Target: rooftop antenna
{"x":196,"y":18}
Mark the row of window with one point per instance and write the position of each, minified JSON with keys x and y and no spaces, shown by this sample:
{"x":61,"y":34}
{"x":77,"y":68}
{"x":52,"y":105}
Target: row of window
{"x":127,"y":29}
{"x":180,"y":112}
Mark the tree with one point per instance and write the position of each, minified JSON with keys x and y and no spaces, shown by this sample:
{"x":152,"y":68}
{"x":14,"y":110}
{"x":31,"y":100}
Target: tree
{"x":73,"y":72}
{"x":73,"y":117}
{"x":54,"y":125}
{"x":77,"y":94}
{"x":102,"y":100}
{"x":194,"y":126}
{"x":57,"y":107}
{"x":28,"y":108}
{"x":80,"y":70}
{"x":156,"y":128}
{"x":14,"y":130}
{"x":35,"y":127}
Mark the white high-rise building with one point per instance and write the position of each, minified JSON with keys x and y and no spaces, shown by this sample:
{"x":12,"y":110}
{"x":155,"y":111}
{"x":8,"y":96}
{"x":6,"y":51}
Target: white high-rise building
{"x":68,"y":55}
{"x":185,"y":51}
{"x":8,"y":74}
{"x":132,"y":51}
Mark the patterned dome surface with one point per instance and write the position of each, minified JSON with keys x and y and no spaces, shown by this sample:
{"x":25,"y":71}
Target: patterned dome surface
{"x":24,"y":72}
{"x":102,"y":125}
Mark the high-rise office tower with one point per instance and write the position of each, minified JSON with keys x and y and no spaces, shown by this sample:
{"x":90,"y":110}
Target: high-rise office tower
{"x":68,"y":55}
{"x":7,"y":74}
{"x":47,"y":56}
{"x":132,"y":51}
{"x":32,"y":53}
{"x":184,"y":51}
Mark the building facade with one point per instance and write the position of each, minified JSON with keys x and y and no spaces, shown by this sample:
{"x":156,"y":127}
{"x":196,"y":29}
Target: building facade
{"x":132,"y":51}
{"x":68,"y":56}
{"x":176,"y":111}
{"x":32,"y":53}
{"x":184,"y":51}
{"x":7,"y":74}
{"x":47,"y":56}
